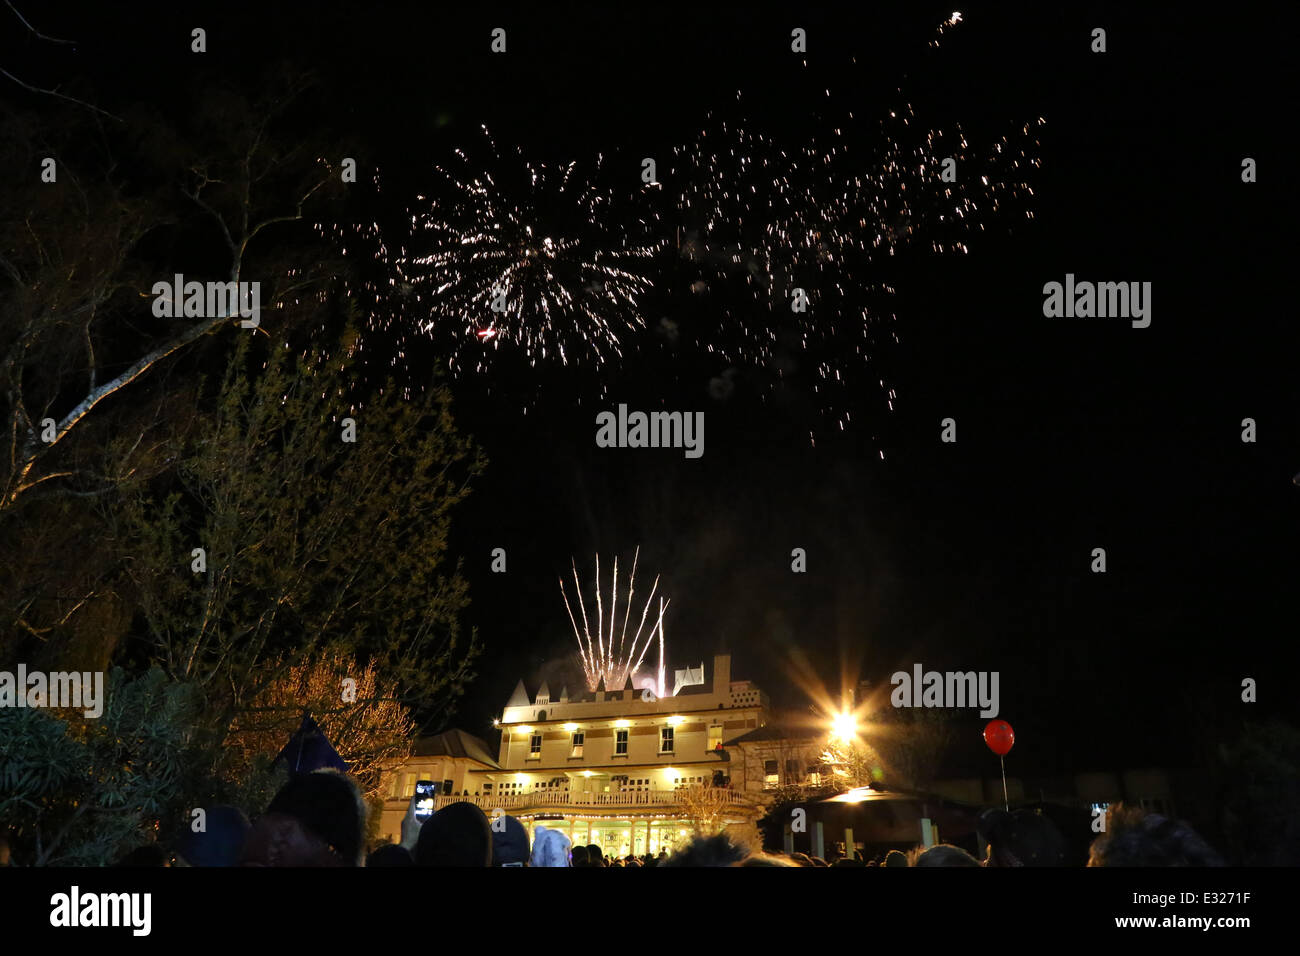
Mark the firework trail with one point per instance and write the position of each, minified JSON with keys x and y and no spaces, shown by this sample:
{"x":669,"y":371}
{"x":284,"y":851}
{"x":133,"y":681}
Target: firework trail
{"x":760,"y":219}
{"x":601,"y":659}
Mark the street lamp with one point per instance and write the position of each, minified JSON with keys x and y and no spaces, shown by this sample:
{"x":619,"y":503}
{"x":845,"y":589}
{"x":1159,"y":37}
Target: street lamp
{"x":844,"y":726}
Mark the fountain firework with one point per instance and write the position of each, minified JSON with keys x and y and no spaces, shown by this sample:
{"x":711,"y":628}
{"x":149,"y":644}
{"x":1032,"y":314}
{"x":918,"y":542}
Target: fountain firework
{"x":610,"y":657}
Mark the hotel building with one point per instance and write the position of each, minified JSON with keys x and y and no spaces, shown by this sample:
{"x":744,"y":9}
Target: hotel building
{"x":623,"y":769}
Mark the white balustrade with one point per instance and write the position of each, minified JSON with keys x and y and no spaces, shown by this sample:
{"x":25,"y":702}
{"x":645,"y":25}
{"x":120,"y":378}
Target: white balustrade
{"x":566,"y":798}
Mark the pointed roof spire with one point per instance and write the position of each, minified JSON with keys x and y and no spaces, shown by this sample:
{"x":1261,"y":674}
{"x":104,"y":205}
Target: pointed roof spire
{"x":544,"y":694}
{"x":600,"y":687}
{"x":564,"y":694}
{"x":520,"y":697}
{"x":627,"y":685}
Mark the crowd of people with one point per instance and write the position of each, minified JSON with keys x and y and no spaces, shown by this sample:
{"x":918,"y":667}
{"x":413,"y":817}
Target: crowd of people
{"x":319,"y":819}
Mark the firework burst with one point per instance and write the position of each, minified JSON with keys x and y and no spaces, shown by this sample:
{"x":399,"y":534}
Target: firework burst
{"x":761,"y":219}
{"x":512,"y":255}
{"x":611,"y":657}
{"x":509,"y":257}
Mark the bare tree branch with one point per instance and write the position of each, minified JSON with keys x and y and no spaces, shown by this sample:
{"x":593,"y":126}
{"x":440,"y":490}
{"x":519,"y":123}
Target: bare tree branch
{"x":39,"y":35}
{"x":63,"y":96}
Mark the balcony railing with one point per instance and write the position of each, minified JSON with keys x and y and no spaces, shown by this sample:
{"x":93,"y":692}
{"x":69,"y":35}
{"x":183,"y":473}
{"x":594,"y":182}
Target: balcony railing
{"x":563,"y":798}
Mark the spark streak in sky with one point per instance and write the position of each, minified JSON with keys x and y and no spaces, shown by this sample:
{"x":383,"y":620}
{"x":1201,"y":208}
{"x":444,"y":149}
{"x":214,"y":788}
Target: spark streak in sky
{"x":610,"y":657}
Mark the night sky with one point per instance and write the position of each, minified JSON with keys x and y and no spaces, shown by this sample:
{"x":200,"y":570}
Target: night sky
{"x":1072,"y":434}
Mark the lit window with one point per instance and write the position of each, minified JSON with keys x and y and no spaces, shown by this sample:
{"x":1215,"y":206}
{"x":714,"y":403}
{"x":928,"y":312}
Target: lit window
{"x":665,"y":740}
{"x":620,"y":743}
{"x":715,"y":737}
{"x":535,"y":747}
{"x":579,"y":738}
{"x":771,"y":774}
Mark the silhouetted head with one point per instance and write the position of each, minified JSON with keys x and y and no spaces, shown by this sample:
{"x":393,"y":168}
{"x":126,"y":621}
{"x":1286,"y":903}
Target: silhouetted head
{"x":509,"y":842}
{"x":221,"y":841}
{"x":390,"y":855}
{"x":1134,"y":837}
{"x":457,"y":835}
{"x":1021,"y":838}
{"x":708,"y":851}
{"x":317,"y":819}
{"x":945,"y":854}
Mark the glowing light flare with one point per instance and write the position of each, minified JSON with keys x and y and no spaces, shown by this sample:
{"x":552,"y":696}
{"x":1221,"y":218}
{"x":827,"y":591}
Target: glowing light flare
{"x":844,"y":726}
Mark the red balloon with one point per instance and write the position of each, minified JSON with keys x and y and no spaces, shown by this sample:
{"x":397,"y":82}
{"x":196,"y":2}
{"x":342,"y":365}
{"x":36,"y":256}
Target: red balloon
{"x":999,"y":736}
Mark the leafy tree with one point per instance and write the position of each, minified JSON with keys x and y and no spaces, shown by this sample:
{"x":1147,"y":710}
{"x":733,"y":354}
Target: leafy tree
{"x":852,"y":764}
{"x":367,"y":726}
{"x":83,"y":791}
{"x":312,"y":544}
{"x":706,"y":808}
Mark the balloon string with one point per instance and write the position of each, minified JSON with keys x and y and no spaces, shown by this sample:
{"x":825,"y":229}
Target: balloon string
{"x":1006,"y":801}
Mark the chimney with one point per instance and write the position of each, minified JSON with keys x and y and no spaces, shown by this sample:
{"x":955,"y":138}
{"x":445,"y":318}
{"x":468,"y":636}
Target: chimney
{"x":722,"y":674}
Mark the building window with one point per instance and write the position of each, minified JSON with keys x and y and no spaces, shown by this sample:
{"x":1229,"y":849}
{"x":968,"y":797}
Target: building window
{"x":792,"y":771}
{"x":665,"y":740}
{"x":535,"y":747}
{"x":446,"y":786}
{"x":715,"y":737}
{"x":771,"y":774}
{"x":620,"y":743}
{"x":579,"y":739}
{"x":487,"y":788}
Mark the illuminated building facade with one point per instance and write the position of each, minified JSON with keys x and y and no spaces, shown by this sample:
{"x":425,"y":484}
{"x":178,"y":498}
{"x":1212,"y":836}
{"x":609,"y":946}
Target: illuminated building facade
{"x":623,"y":769}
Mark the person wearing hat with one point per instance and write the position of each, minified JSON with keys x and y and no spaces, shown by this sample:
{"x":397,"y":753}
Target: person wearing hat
{"x":550,"y":847}
{"x":316,"y":819}
{"x":509,"y":842}
{"x":221,"y":840}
